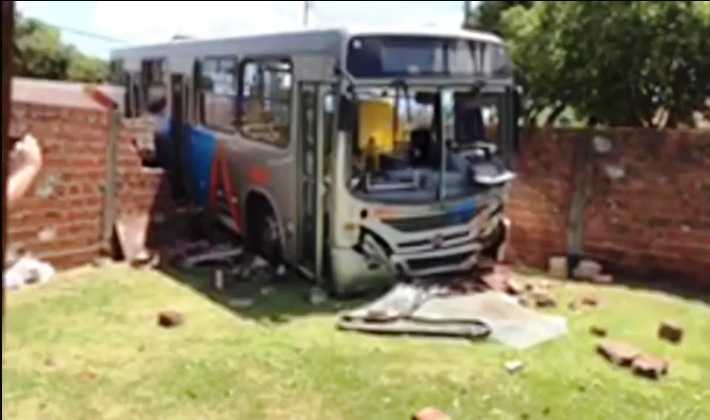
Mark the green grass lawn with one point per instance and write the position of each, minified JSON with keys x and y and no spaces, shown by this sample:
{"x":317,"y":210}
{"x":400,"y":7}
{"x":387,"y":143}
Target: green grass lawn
{"x":86,"y":346}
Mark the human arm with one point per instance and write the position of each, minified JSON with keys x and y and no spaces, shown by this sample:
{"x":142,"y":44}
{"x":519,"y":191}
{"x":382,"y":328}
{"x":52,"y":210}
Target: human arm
{"x":26,"y":162}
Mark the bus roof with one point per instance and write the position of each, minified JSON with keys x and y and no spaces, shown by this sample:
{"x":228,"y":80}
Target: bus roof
{"x":303,"y":40}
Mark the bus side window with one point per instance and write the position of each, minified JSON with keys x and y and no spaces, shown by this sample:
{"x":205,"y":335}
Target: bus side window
{"x":266,"y":88}
{"x":153,"y":86}
{"x":217,"y":92}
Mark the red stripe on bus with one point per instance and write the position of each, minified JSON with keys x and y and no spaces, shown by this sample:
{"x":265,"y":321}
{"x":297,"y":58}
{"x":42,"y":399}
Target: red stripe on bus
{"x":220,"y":167}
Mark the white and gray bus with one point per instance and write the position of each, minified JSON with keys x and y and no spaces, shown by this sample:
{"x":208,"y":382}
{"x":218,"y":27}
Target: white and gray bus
{"x":359,"y":157}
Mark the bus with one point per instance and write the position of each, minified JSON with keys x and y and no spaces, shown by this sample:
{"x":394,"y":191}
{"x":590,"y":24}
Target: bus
{"x":358,"y":157}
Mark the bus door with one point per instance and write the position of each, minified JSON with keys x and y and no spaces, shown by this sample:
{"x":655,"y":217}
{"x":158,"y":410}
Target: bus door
{"x":311,"y":172}
{"x":177,"y":165}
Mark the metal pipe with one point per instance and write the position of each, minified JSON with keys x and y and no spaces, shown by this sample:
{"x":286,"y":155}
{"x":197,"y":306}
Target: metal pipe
{"x":8,"y":25}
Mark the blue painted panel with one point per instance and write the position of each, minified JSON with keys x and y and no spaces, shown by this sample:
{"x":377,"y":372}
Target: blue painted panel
{"x":200,"y":156}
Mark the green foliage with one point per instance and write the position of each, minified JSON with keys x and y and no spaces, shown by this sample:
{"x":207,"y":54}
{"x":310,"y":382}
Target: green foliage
{"x":618,"y":63}
{"x":487,"y":15}
{"x":40,"y":53}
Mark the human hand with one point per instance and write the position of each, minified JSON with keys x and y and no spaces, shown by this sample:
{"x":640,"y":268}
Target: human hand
{"x":26,"y":154}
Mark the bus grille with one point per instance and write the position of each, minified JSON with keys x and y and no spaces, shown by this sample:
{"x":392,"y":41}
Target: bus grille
{"x":440,"y":221}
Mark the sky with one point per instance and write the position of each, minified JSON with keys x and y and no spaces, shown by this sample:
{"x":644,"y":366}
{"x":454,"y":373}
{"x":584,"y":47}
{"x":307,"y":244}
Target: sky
{"x":96,"y":27}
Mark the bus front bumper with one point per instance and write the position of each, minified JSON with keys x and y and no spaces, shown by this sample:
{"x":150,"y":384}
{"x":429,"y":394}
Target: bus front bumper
{"x":355,"y":271}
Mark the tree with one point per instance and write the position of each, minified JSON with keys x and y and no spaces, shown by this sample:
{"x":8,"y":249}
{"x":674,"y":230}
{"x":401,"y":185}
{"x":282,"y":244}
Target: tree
{"x":40,"y":53}
{"x":487,"y":15}
{"x":621,"y":63}
{"x":87,"y":69}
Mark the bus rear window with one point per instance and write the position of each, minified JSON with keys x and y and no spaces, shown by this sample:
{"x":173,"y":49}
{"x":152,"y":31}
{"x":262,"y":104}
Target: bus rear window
{"x":389,"y":56}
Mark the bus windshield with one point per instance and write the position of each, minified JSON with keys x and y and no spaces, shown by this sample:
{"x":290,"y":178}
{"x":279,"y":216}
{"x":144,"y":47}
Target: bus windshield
{"x":393,"y":56}
{"x":427,"y":146}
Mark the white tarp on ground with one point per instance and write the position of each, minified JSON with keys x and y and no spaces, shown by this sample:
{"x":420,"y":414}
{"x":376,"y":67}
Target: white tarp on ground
{"x":511,"y":324}
{"x":408,"y":309}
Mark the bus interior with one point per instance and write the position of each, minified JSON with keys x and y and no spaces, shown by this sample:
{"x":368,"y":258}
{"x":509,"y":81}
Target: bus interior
{"x":425,"y":146}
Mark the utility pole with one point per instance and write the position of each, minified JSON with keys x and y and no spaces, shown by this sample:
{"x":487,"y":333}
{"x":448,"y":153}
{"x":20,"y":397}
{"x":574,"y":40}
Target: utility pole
{"x":8,"y":25}
{"x":307,"y":8}
{"x":466,"y":14}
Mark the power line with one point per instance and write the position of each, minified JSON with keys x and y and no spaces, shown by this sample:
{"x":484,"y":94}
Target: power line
{"x":82,"y":32}
{"x":89,"y":34}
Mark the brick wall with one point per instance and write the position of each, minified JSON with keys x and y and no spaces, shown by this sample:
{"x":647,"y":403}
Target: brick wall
{"x":140,"y":189}
{"x":60,"y":219}
{"x":647,"y":206}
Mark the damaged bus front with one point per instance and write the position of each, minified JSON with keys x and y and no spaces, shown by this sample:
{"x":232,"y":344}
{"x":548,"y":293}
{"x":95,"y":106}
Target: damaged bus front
{"x":415,"y":181}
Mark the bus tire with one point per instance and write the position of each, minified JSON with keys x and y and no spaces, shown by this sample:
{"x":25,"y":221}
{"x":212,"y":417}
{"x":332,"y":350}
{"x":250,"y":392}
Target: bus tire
{"x":263,"y":236}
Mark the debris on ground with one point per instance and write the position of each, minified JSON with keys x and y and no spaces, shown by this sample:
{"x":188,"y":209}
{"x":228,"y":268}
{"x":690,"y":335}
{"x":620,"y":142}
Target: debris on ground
{"x":184,"y":249}
{"x":525,"y":301}
{"x":317,"y":296}
{"x":515,"y":287}
{"x":131,"y":231}
{"x":431,"y":413}
{"x":650,"y":367}
{"x":557,"y":267}
{"x":145,"y":258}
{"x":266,"y":290}
{"x":257,"y":270}
{"x":620,"y":354}
{"x":598,"y":331}
{"x":496,"y":280}
{"x":101,"y":262}
{"x":591,"y":301}
{"x":219,"y":253}
{"x":25,"y":271}
{"x":514,"y":366}
{"x":670,"y":332}
{"x":544,"y":299}
{"x":603,"y":279}
{"x":218,"y":279}
{"x":587,"y":270}
{"x":240,"y":303}
{"x":625,"y":355}
{"x":170,"y":319}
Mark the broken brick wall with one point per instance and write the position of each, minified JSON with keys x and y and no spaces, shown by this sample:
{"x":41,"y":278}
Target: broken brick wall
{"x":140,"y":189}
{"x":646,"y":200}
{"x":61,"y":218}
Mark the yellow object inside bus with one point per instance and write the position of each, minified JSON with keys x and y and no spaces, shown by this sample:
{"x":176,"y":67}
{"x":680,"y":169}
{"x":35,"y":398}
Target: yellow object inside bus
{"x":376,"y":134}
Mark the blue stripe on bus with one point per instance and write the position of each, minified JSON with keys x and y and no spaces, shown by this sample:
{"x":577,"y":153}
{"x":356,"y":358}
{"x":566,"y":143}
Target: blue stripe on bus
{"x":201,"y":148}
{"x":199,"y":154}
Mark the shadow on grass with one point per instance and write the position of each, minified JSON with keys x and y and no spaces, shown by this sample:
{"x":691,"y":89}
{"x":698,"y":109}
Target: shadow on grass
{"x":273,"y":302}
{"x":665,"y":283}
{"x":289,"y":297}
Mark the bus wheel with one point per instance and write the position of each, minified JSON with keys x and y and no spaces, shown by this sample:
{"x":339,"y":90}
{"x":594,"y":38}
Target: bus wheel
{"x":263,"y":236}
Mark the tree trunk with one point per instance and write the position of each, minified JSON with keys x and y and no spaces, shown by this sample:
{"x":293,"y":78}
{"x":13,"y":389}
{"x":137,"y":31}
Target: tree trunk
{"x":556,"y":112}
